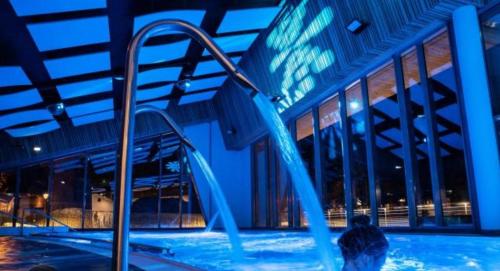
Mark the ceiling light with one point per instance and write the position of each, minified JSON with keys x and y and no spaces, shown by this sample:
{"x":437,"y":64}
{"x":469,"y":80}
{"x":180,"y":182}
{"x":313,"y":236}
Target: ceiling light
{"x":118,"y":78}
{"x":56,"y":109}
{"x":398,"y":167}
{"x":183,"y":84}
{"x":356,"y":26}
{"x":277,"y":98}
{"x":37,"y":149}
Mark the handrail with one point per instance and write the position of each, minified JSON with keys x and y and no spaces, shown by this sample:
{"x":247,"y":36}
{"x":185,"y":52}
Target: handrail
{"x":125,"y":152}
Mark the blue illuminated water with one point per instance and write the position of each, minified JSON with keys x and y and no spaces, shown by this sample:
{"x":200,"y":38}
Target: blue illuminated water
{"x":223,"y":207}
{"x":211,"y":223}
{"x":278,"y":250}
{"x":300,"y":179}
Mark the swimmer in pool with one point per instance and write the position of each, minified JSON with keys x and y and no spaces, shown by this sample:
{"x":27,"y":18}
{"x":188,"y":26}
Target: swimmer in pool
{"x":364,"y":246}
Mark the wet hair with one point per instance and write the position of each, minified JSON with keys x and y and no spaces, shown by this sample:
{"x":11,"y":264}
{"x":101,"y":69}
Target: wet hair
{"x":362,"y":238}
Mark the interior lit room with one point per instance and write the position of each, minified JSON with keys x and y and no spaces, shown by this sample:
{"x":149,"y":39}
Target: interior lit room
{"x":250,"y":135}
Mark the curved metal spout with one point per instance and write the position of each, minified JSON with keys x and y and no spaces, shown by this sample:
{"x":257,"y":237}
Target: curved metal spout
{"x":123,"y":189}
{"x":170,"y":122}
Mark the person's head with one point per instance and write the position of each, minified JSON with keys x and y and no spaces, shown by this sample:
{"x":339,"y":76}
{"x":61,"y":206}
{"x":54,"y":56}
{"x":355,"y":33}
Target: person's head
{"x":364,"y":246}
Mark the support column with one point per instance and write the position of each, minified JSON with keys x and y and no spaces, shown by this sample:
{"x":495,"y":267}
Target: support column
{"x":373,"y":182}
{"x":160,"y":173}
{"x":318,"y":163}
{"x":50,"y":190}
{"x":347,"y":154}
{"x":478,"y":115}
{"x":85,"y":192}
{"x":409,"y":150}
{"x":296,"y":201}
{"x":433,"y":144}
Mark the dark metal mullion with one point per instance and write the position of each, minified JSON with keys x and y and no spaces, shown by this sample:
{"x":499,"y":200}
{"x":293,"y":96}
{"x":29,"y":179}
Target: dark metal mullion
{"x":181,"y":178}
{"x":318,"y":163}
{"x":347,"y":154}
{"x":373,"y":181}
{"x":16,"y":197}
{"x":296,"y":200}
{"x":409,"y":149}
{"x":50,"y":192}
{"x":160,"y":175}
{"x":85,"y":193}
{"x":272,"y":195}
{"x":432,"y":139}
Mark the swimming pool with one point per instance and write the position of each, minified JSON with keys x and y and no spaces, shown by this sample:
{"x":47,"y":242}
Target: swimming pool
{"x":278,"y":250}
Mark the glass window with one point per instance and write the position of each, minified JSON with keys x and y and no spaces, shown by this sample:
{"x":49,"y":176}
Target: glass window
{"x":305,"y":145}
{"x":284,"y":190}
{"x":144,"y":208}
{"x":192,"y":213}
{"x":331,"y":141}
{"x":456,"y":204}
{"x":34,"y":195}
{"x":424,"y":199}
{"x":359,"y":173}
{"x":261,"y":183}
{"x":67,"y":194}
{"x":491,"y":34}
{"x":7,"y":192}
{"x":100,"y":190}
{"x":388,"y":147}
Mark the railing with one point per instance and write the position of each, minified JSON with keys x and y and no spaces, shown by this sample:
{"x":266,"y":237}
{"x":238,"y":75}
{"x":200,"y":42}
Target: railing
{"x":397,"y":216}
{"x":46,"y":222}
{"x":10,"y":218}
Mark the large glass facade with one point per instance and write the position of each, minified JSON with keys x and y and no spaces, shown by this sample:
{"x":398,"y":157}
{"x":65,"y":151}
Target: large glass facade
{"x":380,"y":154}
{"x":359,"y":169}
{"x":447,"y":116}
{"x":418,"y":118}
{"x":305,"y":144}
{"x":388,"y":147}
{"x":67,"y":192}
{"x":331,"y":139}
{"x":491,"y":35}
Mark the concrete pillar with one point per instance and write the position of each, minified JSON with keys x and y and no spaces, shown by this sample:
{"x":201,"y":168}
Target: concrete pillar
{"x":479,"y":116}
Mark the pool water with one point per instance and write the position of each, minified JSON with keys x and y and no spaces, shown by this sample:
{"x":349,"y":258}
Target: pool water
{"x":277,"y":250}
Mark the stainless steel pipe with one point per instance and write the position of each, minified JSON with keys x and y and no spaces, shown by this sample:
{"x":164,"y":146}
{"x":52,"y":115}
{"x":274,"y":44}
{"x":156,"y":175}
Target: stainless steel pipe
{"x":123,"y":191}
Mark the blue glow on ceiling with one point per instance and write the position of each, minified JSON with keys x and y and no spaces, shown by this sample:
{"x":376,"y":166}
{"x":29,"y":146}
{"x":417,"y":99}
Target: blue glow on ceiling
{"x":197,"y":97}
{"x":13,"y":76}
{"x":19,"y":99}
{"x":161,"y":104}
{"x":247,"y":19}
{"x":163,"y":52}
{"x":211,"y":66}
{"x":454,"y":140}
{"x":206,"y":83}
{"x":236,"y":43}
{"x":24,"y":117}
{"x":153,"y":93}
{"x":89,"y":108}
{"x":451,"y":113}
{"x":76,"y":65}
{"x":33,"y":130}
{"x":73,"y":90}
{"x":394,"y":134}
{"x":296,"y":56}
{"x":382,"y":143}
{"x":159,"y":75}
{"x":70,"y":33}
{"x":92,"y":118}
{"x":35,"y":7}
{"x":193,"y":16}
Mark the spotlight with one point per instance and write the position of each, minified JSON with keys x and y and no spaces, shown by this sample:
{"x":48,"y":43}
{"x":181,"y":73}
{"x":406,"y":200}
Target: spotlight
{"x":183,"y":84}
{"x":37,"y":149}
{"x":276,"y":98}
{"x":398,"y":167}
{"x":356,"y":26}
{"x":56,"y":109}
{"x":118,"y":78}
{"x":231,"y":131}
